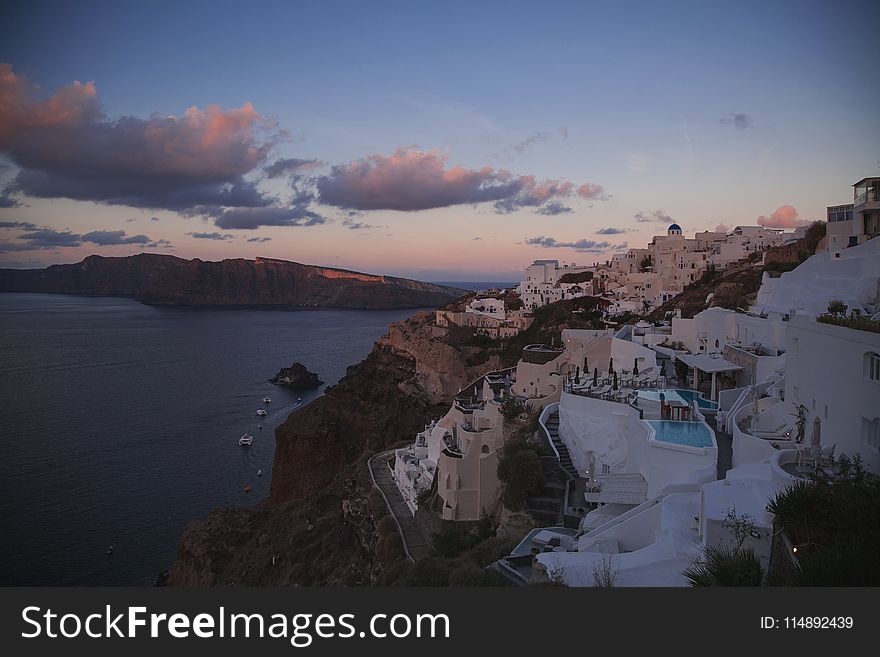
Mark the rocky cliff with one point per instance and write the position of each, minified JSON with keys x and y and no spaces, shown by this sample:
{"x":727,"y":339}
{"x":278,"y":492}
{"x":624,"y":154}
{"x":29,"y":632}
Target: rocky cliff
{"x":264,"y":283}
{"x":319,"y":524}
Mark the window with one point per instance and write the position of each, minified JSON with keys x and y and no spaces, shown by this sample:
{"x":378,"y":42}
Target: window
{"x":485,"y":449}
{"x":872,"y":366}
{"x":606,"y":469}
{"x":871,"y":432}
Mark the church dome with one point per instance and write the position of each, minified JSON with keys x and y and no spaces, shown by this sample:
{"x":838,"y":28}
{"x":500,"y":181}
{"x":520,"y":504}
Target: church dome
{"x":675,"y":227}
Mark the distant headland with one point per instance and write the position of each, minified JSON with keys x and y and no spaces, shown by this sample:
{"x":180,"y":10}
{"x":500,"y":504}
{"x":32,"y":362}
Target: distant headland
{"x":234,"y":283}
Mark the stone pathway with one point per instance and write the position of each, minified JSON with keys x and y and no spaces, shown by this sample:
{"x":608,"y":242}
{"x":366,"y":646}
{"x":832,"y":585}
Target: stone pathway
{"x":414,"y":543}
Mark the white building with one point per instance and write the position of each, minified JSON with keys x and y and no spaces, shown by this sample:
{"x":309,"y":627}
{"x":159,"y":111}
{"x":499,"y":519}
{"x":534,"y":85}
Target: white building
{"x":854,"y":223}
{"x":851,"y":276}
{"x":834,"y":371}
{"x":544,"y":282}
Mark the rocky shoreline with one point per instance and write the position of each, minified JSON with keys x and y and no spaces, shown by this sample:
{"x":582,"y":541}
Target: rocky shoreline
{"x":321,"y":524}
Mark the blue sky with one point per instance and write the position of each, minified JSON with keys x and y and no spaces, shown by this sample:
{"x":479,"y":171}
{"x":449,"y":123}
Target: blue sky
{"x":713,"y":113}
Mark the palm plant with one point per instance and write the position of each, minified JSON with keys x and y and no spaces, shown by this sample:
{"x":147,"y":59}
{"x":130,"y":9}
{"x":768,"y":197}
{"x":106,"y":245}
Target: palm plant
{"x":726,"y":567}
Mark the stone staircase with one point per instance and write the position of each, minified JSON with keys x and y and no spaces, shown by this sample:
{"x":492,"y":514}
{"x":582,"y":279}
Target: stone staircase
{"x":552,"y":424}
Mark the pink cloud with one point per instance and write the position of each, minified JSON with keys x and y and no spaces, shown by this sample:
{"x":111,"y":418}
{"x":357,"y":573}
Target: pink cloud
{"x":722,"y":228}
{"x":20,"y":111}
{"x":785,"y":216}
{"x":409,"y":179}
{"x":592,"y":192}
{"x":65,"y":146}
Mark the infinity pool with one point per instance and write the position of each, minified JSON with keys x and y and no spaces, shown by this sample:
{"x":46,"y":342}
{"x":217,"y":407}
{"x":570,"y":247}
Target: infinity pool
{"x":693,"y":434}
{"x":680,"y":395}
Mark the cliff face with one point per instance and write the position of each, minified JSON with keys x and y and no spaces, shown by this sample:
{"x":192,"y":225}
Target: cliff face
{"x":167,"y":280}
{"x":318,"y":526}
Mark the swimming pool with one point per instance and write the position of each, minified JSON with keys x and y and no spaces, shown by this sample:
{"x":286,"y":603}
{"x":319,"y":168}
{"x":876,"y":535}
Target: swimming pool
{"x":693,"y":434}
{"x":679,"y":395}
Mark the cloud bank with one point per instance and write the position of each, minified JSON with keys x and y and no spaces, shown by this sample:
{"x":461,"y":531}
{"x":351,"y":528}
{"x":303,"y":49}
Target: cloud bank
{"x":36,"y":238}
{"x":584,"y":245}
{"x":411,"y":180}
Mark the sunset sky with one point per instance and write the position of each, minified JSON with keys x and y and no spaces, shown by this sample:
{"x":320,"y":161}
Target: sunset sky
{"x":442,"y":141}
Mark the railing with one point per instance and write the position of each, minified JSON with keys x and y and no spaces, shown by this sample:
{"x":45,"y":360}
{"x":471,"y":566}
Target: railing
{"x":549,"y":409}
{"x":729,"y":420}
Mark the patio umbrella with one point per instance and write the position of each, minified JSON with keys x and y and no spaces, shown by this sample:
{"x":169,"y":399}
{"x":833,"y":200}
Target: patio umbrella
{"x":663,"y":369}
{"x":816,"y":437}
{"x":611,"y":364}
{"x":635,"y":367}
{"x":595,"y":376}
{"x":614,"y":387}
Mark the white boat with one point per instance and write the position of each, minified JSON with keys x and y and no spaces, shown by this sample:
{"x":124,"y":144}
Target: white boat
{"x":261,"y":411}
{"x":246,"y":440}
{"x":267,"y":399}
{"x":259,"y":473}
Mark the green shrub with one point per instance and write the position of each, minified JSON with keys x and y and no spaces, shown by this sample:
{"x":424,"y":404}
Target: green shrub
{"x":430,"y":571}
{"x":520,"y":471}
{"x":726,"y":567}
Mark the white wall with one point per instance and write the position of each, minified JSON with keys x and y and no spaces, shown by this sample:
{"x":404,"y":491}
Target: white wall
{"x":826,"y":373}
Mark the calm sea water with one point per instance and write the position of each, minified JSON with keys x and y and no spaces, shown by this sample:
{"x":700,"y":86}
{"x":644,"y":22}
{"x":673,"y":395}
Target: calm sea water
{"x":119,"y":423}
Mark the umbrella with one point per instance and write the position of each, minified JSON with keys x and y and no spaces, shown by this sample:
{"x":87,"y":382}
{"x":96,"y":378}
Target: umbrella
{"x":611,"y":364}
{"x":635,"y":367}
{"x":595,"y":376}
{"x":816,"y":438}
{"x":663,"y":369}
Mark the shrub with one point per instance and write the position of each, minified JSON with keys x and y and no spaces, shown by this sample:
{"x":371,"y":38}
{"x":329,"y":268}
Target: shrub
{"x":836,"y":307}
{"x":520,"y":471}
{"x":726,"y":567}
{"x":469,"y":574}
{"x":430,"y":571}
{"x":857,"y":322}
{"x":513,"y":409}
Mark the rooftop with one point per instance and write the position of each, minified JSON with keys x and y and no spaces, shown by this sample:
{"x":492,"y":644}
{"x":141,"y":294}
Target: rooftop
{"x":708,"y":363}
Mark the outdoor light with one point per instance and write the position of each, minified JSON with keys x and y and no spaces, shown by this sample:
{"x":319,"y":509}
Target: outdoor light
{"x":794,"y":549}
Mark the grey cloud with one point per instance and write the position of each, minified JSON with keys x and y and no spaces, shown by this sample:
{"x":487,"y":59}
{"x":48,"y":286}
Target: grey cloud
{"x":290,"y":165}
{"x":113,"y":237}
{"x":212,"y":236}
{"x":253,"y":218}
{"x":553,"y":208}
{"x":529,"y":142}
{"x":657,"y":216}
{"x":739,"y":121}
{"x":613,"y":231}
{"x":584,"y":245}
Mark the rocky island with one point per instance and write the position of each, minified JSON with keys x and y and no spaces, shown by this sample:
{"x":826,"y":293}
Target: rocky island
{"x":296,"y":377}
{"x":234,"y":283}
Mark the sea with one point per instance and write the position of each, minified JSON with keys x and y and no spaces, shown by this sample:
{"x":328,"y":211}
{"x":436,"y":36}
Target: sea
{"x":119,"y":423}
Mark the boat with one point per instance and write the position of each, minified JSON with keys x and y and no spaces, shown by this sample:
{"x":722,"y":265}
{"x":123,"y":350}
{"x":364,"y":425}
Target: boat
{"x":267,"y":399}
{"x":246,"y":440}
{"x":259,"y":473}
{"x":261,"y":411}
{"x":110,"y":550}
{"x":259,"y":426}
{"x":299,"y":399}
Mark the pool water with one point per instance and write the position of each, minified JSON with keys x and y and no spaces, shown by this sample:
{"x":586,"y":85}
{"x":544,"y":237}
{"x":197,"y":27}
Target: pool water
{"x":693,"y":434}
{"x":680,"y":395}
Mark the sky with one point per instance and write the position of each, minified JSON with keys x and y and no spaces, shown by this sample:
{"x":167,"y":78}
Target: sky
{"x":447,"y":141}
